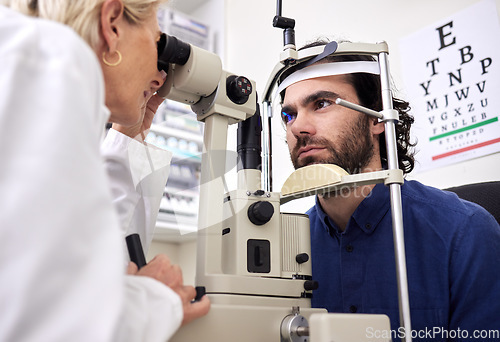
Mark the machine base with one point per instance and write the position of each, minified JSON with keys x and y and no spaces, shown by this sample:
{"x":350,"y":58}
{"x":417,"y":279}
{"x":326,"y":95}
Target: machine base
{"x":242,"y":322}
{"x":254,"y":318}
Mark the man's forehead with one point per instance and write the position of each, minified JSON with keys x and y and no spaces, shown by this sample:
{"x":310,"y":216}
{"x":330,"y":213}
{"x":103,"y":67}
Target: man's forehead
{"x":330,"y":87}
{"x":329,"y":69}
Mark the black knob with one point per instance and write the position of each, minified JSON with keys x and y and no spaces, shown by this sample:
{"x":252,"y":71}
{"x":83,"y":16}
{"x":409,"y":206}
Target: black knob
{"x":135,"y":250}
{"x":310,"y":285}
{"x":200,"y":292}
{"x":259,"y":193}
{"x":302,"y":258}
{"x":283,"y":22}
{"x":260,"y":212}
{"x":238,"y":89}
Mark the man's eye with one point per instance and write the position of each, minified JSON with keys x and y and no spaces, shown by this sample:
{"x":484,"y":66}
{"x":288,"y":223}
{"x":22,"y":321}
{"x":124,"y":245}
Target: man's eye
{"x":322,"y":104}
{"x":287,"y":117}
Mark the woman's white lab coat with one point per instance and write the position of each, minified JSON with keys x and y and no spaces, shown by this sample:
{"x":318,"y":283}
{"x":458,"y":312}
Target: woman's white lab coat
{"x":61,"y":240}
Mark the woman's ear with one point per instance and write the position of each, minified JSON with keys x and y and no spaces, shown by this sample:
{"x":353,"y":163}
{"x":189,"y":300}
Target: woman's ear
{"x":111,"y":21}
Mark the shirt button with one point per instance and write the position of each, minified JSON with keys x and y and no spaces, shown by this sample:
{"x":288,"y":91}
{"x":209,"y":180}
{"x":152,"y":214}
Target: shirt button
{"x":349,"y":248}
{"x":368,"y":226}
{"x":353,"y":309}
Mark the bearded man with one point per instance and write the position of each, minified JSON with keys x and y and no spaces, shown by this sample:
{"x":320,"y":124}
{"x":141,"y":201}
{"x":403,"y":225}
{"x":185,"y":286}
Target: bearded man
{"x":452,"y":246}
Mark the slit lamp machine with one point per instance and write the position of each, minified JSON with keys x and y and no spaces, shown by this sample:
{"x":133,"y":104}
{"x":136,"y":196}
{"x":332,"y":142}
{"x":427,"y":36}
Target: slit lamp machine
{"x":253,"y":261}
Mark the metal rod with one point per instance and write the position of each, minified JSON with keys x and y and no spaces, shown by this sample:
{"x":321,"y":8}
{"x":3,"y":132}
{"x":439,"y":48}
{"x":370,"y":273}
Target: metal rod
{"x":302,"y":331}
{"x":396,"y":206}
{"x":267,"y":147}
{"x":359,"y":108}
{"x":278,"y":7}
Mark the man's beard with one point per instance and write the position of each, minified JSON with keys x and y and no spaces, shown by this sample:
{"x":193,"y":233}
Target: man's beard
{"x":354,"y":153}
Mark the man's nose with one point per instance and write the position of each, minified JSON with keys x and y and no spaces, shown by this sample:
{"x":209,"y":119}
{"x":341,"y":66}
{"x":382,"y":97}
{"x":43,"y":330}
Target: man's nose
{"x":303,"y":124}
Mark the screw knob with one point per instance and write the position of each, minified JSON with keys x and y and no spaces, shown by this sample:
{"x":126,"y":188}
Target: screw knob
{"x":260,"y":212}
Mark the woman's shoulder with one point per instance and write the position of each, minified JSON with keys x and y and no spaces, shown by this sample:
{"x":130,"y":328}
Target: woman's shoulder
{"x":40,"y":38}
{"x":50,"y":60}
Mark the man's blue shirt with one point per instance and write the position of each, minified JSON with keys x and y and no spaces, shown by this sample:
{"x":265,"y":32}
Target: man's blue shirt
{"x":453,"y":261}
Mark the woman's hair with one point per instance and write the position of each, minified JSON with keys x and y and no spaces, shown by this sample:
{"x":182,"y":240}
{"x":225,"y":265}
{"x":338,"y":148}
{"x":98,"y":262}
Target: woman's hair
{"x":83,"y":15}
{"x":368,"y":89}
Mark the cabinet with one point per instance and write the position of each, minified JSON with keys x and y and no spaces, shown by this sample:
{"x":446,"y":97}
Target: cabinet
{"x":177,"y":130}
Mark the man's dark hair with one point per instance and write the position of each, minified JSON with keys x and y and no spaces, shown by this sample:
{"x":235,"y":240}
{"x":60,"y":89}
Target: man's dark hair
{"x":368,"y":89}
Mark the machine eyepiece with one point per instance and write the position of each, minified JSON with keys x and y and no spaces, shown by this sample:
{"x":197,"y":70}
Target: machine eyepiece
{"x":172,"y":51}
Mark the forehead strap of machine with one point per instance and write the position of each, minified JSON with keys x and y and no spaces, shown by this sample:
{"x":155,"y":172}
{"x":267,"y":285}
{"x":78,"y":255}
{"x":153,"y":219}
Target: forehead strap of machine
{"x":330,"y":69}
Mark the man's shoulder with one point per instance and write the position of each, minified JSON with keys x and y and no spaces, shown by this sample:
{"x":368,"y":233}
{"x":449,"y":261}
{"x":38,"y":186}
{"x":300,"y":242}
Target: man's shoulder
{"x":439,"y":203}
{"x":433,"y":197}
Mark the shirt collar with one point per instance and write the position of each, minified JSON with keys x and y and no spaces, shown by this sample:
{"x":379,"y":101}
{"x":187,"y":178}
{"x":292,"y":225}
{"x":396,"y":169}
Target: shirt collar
{"x":105,"y":114}
{"x":326,"y":222}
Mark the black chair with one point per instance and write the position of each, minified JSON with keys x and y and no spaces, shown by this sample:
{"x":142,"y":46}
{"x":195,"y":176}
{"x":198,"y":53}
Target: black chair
{"x":486,"y":194}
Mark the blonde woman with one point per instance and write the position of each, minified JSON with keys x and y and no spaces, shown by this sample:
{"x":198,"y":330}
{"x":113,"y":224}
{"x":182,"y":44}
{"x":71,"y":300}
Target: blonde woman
{"x":61,"y":228}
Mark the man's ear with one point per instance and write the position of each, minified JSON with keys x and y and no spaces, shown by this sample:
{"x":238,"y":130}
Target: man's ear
{"x":377,"y":127}
{"x":111,"y":19}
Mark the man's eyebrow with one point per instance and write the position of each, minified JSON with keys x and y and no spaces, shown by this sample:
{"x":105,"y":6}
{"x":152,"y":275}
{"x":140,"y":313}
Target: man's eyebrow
{"x":322,"y":94}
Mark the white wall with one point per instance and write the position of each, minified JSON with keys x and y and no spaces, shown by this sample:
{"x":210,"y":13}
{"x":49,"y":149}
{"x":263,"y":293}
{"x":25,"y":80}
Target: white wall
{"x":253,"y":47}
{"x":187,"y":261}
{"x":162,"y":247}
{"x":182,"y":254}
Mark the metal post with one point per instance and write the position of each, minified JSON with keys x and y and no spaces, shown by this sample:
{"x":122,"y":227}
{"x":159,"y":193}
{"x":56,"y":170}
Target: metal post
{"x":396,"y":206}
{"x":267,"y":147}
{"x":211,"y":198}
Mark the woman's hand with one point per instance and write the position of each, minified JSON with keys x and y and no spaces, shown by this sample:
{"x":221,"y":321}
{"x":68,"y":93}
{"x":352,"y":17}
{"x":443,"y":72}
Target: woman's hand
{"x":139,"y":131}
{"x":162,"y":270}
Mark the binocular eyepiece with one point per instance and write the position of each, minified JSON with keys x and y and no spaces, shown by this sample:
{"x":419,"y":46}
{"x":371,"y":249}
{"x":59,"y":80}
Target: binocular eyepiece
{"x":172,"y":51}
{"x":192,"y":72}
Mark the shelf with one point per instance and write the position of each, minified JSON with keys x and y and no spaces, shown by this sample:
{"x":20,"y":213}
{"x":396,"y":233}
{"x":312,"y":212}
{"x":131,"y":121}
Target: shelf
{"x":177,"y":129}
{"x":177,"y":133}
{"x":178,"y":215}
{"x":176,"y":211}
{"x":175,"y":228}
{"x":177,"y":219}
{"x":184,"y":156}
{"x":174,"y":232}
